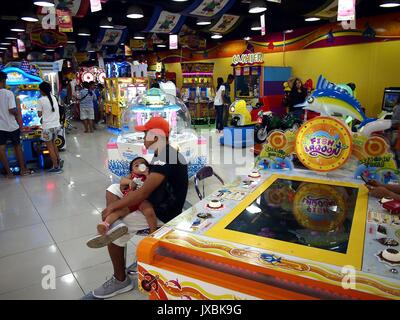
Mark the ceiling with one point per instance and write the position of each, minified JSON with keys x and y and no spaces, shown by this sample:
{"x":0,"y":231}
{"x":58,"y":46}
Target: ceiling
{"x":287,"y":15}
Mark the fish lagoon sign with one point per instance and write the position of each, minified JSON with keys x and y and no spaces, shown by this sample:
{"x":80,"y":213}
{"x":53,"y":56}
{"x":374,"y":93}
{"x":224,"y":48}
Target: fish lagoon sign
{"x":248,"y":58}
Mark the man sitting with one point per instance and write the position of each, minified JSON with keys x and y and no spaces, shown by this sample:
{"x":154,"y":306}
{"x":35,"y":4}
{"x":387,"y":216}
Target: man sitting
{"x":165,"y":188}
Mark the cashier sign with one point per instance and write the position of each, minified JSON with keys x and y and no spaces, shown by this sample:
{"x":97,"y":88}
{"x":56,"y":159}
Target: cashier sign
{"x":323,"y":144}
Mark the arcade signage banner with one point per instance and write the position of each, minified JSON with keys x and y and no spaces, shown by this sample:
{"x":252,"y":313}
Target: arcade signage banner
{"x":248,"y":58}
{"x":225,"y":24}
{"x":209,"y":9}
{"x":346,"y":10}
{"x":48,"y":38}
{"x":165,"y":22}
{"x":113,"y":37}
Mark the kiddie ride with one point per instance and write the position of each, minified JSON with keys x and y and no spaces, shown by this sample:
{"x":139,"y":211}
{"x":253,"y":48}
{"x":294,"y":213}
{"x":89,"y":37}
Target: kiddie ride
{"x":282,"y":233}
{"x":129,"y":143}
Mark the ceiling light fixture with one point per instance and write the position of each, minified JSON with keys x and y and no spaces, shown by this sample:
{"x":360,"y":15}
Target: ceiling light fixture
{"x":312,"y":19}
{"x":257,"y":6}
{"x":135,"y":12}
{"x":256,"y":26}
{"x":139,"y":36}
{"x":179,"y":0}
{"x":50,"y":50}
{"x":389,"y":4}
{"x":44,"y":3}
{"x":29,"y":17}
{"x":11,"y":37}
{"x":71,"y":41}
{"x":288,"y":31}
{"x":3,"y":48}
{"x":203,"y":22}
{"x":216,"y":36}
{"x":106,"y":23}
{"x":84,"y":32}
{"x":247,"y":38}
{"x":5,"y":43}
{"x":161,"y":45}
{"x":18,"y":27}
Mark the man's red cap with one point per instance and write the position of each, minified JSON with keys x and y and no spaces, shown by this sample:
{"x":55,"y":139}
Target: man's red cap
{"x":155,"y":123}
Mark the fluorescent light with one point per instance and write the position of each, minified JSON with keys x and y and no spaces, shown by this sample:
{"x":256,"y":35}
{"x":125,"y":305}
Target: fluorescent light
{"x":203,"y":22}
{"x":389,"y":4}
{"x":216,"y":36}
{"x":312,"y":19}
{"x":44,"y":3}
{"x":257,"y":7}
{"x":135,"y":12}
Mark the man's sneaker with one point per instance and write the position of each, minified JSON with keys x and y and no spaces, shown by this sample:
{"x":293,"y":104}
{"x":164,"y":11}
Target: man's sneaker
{"x":113,"y":287}
{"x":55,"y":170}
{"x":117,"y":230}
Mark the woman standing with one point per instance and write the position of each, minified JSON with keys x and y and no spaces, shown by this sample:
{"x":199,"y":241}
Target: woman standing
{"x":297,"y":96}
{"x":219,"y":102}
{"x":48,"y":110}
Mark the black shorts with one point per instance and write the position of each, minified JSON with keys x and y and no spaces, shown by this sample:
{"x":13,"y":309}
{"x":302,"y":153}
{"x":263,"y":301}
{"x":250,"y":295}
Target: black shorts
{"x":12,"y":136}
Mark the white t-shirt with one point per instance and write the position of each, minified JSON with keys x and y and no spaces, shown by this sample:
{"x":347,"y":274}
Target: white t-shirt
{"x":50,"y":119}
{"x":7,"y":102}
{"x":218,"y":96}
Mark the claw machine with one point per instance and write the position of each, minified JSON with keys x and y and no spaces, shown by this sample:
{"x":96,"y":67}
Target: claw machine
{"x":198,"y":90}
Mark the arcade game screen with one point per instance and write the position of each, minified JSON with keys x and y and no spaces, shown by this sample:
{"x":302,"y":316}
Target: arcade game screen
{"x":28,"y":102}
{"x":309,"y":214}
{"x":391,"y":97}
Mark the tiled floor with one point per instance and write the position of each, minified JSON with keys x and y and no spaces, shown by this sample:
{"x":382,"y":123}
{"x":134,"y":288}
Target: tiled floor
{"x":45,"y":220}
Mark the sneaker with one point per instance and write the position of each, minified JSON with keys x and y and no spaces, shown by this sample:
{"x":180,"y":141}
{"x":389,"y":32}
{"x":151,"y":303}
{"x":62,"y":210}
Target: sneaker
{"x":55,"y":170}
{"x":113,"y":287}
{"x":117,"y":230}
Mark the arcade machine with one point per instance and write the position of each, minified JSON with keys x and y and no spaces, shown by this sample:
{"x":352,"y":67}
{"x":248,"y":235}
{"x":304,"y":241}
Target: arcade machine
{"x":198,"y":90}
{"x":120,"y":94}
{"x":129,"y":144}
{"x":25,"y":87}
{"x":391,"y":97}
{"x":283,"y":233}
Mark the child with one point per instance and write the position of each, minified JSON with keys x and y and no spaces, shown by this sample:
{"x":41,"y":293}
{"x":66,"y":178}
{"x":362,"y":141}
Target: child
{"x":139,"y":169}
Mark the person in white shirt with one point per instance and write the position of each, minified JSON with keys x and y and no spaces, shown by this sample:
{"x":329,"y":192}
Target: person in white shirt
{"x":219,"y":102}
{"x":10,"y":128}
{"x":48,"y":110}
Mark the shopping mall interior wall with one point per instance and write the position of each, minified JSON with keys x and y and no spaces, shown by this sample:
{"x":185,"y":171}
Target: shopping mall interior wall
{"x":372,"y":67}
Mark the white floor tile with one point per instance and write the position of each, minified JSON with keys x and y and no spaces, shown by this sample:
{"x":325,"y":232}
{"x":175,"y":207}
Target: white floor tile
{"x":18,"y":216}
{"x":74,"y":226}
{"x":24,"y":239}
{"x":80,"y":256}
{"x":25,"y":269}
{"x":66,"y":288}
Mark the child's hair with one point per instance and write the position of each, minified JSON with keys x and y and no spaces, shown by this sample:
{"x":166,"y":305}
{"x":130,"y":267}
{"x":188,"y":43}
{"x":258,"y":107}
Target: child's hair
{"x":138,"y":158}
{"x":45,"y":87}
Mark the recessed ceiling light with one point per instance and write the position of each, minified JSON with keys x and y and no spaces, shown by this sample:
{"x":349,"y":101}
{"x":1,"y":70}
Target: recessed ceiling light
{"x":106,"y":24}
{"x":71,"y":41}
{"x":5,"y":43}
{"x":161,"y":46}
{"x":311,"y":19}
{"x":389,"y":4}
{"x":3,"y":48}
{"x":289,"y":31}
{"x":256,"y":26}
{"x":50,"y":50}
{"x":84,"y":32}
{"x":179,"y":0}
{"x":257,"y":6}
{"x":29,"y":17}
{"x":139,"y":36}
{"x":135,"y":12}
{"x":11,"y":37}
{"x":203,"y":22}
{"x":247,"y":38}
{"x":18,"y":27}
{"x":216,"y":36}
{"x":44,"y":3}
